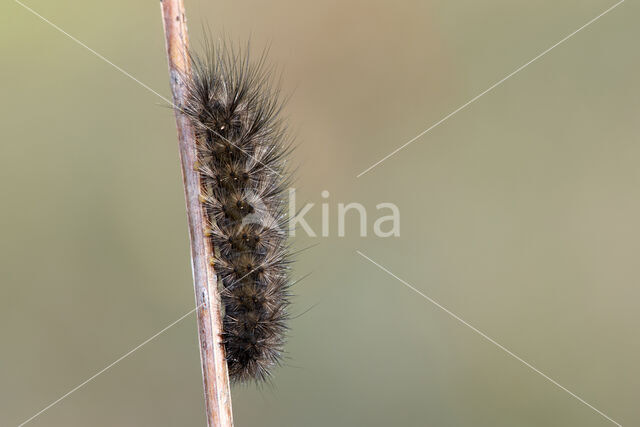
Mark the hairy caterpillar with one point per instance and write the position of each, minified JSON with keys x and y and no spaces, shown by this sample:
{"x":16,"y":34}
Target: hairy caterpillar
{"x":241,"y":149}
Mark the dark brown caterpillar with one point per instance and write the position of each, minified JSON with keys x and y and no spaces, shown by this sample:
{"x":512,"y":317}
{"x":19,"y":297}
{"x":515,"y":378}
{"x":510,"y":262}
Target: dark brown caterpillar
{"x":242,"y":145}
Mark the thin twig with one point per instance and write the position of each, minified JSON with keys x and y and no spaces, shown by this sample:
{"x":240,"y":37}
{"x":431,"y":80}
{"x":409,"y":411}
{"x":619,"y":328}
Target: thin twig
{"x":214,"y":367}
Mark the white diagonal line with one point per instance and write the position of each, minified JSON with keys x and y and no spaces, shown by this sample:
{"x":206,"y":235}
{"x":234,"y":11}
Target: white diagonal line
{"x":135,"y":79}
{"x":92,"y":51}
{"x":488,"y":338}
{"x":185,"y":315}
{"x":94,"y":376}
{"x":490,"y":88}
{"x":118,"y":360}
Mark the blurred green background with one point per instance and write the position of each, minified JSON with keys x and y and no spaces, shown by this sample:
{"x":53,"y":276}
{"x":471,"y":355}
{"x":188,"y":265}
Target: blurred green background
{"x":520,"y":214}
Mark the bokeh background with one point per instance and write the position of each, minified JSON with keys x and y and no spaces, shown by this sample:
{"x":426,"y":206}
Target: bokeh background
{"x":520,"y":214}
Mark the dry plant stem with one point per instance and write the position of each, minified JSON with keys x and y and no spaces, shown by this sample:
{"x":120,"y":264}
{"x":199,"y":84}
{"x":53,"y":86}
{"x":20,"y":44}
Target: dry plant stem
{"x":214,"y":366}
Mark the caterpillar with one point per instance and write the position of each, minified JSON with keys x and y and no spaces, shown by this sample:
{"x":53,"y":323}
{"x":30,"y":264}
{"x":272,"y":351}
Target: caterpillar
{"x":242,"y":144}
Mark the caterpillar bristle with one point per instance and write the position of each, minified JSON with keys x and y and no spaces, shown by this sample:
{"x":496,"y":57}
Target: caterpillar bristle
{"x":242,"y":146}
